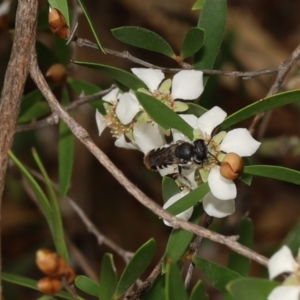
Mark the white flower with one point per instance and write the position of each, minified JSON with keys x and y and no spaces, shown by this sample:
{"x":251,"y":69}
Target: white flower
{"x":283,"y":262}
{"x":186,"y":84}
{"x":144,"y":135}
{"x":184,"y":215}
{"x":238,"y":141}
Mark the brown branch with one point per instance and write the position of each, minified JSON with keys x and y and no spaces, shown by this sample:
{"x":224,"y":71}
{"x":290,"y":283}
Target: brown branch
{"x":50,"y":119}
{"x":283,"y":70}
{"x":127,"y":55}
{"x":83,"y":136}
{"x":15,"y":77}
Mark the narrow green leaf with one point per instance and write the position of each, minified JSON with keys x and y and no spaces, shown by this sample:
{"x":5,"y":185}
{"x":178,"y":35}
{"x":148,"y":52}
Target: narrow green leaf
{"x":189,"y":200}
{"x":62,"y":6}
{"x":238,"y":262}
{"x":180,"y":239}
{"x":163,"y":115}
{"x":251,"y":288}
{"x":157,"y":291}
{"x":87,"y":285}
{"x":126,"y":78}
{"x":91,"y":25}
{"x":41,"y":197}
{"x":81,"y":86}
{"x":174,"y":284}
{"x":292,"y":240}
{"x":212,"y":20}
{"x":274,"y":172}
{"x":58,"y":230}
{"x":169,"y":188}
{"x":195,"y":109}
{"x":193,"y":41}
{"x":266,"y":104}
{"x":108,"y":278}
{"x":65,"y":152}
{"x":143,"y":38}
{"x":198,"y":4}
{"x":217,"y":275}
{"x":32,"y":284}
{"x":62,"y":50}
{"x":199,"y":292}
{"x":136,"y":266}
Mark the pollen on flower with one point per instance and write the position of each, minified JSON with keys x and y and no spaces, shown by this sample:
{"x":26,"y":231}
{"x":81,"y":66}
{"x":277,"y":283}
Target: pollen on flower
{"x":113,"y":122}
{"x":165,"y":98}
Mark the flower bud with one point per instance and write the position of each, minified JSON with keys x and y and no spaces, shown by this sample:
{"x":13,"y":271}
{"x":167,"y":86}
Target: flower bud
{"x":57,"y":73}
{"x":232,"y":166}
{"x":58,"y":24}
{"x":49,"y":285}
{"x":47,"y":261}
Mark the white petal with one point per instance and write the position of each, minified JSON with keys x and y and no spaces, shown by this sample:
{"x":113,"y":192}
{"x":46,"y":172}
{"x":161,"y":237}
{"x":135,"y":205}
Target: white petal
{"x":151,"y":77}
{"x":127,"y":108}
{"x":122,"y":143}
{"x":178,"y":135}
{"x":148,"y":136}
{"x":112,"y":96}
{"x":240,"y":142}
{"x":190,"y":176}
{"x":100,"y":120}
{"x":218,"y":208}
{"x":184,"y":215}
{"x":187,"y":85}
{"x":221,"y":187}
{"x":211,"y":119}
{"x":282,"y":261}
{"x":285,"y":293}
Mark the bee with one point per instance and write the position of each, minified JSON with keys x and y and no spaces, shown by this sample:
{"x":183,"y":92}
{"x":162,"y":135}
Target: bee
{"x":182,"y":153}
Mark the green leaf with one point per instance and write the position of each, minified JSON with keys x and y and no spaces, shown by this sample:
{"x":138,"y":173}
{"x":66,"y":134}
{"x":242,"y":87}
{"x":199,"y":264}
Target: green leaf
{"x":91,"y":25}
{"x":43,"y":51}
{"x":274,"y":172}
{"x":195,"y":109}
{"x":33,"y":106}
{"x":136,"y":266}
{"x":169,"y":188}
{"x":217,"y":275}
{"x":41,"y":197}
{"x":108,"y":278}
{"x":198,"y":4}
{"x":180,"y":239}
{"x":174,"y":284}
{"x":199,"y":292}
{"x":157,"y":291}
{"x":251,"y":288}
{"x":163,"y":115}
{"x":238,"y":262}
{"x":87,"y":285}
{"x":292,"y":240}
{"x":261,"y":106}
{"x":212,"y":20}
{"x":193,"y":41}
{"x":65,"y":152}
{"x":62,"y":50}
{"x":189,"y":200}
{"x":126,"y":78}
{"x":58,"y":230}
{"x":143,"y":38}
{"x":32,"y":284}
{"x":88,"y":88}
{"x":62,"y":6}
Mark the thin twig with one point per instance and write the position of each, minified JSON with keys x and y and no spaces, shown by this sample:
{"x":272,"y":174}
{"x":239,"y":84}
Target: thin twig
{"x":76,"y":103}
{"x":195,"y":247}
{"x":283,"y":70}
{"x":127,"y":55}
{"x":84,"y":137}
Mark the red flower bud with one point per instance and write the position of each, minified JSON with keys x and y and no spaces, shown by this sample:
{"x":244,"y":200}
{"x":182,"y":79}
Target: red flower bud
{"x":49,"y":285}
{"x":58,"y":24}
{"x":232,"y":166}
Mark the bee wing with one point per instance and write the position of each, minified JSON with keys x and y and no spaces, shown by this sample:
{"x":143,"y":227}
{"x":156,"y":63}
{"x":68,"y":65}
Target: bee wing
{"x":162,"y":157}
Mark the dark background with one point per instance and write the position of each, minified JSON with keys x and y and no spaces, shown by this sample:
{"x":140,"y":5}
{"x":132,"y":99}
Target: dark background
{"x":259,"y":34}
